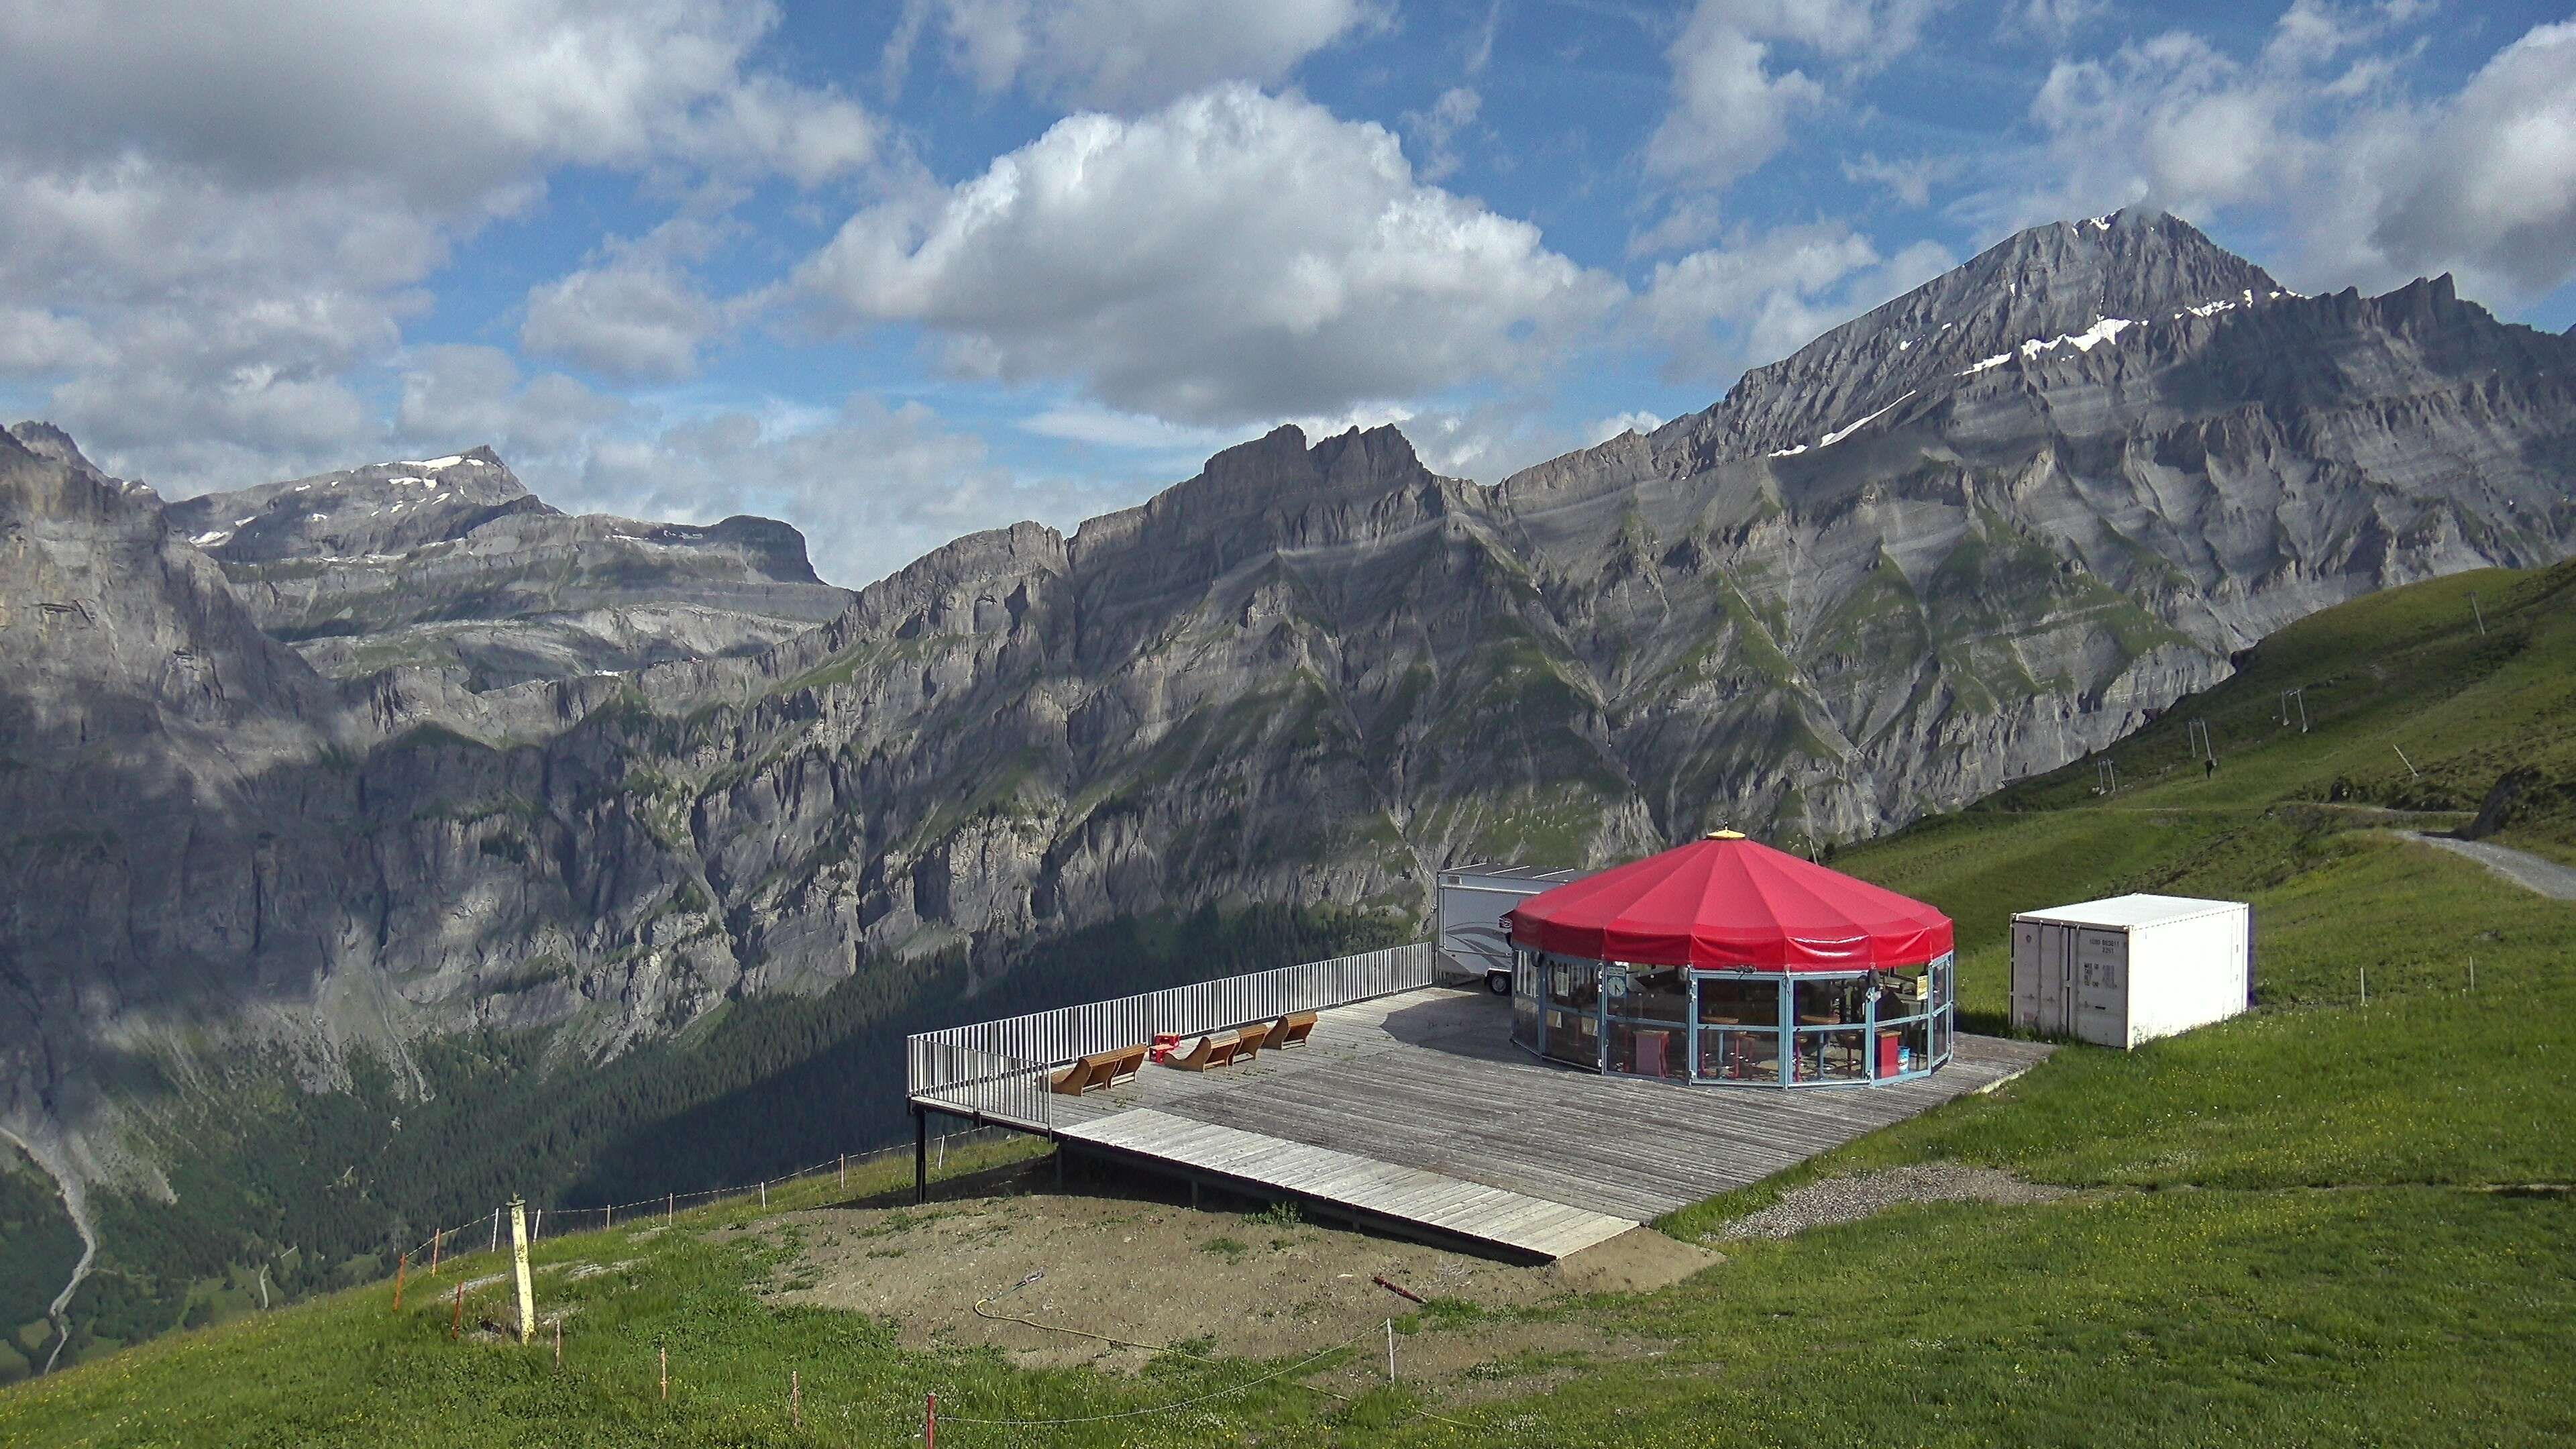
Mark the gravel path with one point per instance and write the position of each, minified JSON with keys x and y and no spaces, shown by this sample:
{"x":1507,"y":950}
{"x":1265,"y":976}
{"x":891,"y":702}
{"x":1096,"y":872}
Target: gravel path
{"x":2531,"y":872}
{"x":1855,"y":1196}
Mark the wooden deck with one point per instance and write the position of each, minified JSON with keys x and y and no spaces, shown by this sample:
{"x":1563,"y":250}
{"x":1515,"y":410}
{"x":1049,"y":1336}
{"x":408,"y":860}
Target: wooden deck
{"x":1417,"y":1109}
{"x":1373,"y":1193}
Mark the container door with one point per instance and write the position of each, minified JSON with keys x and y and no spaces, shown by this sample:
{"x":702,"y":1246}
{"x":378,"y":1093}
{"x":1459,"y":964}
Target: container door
{"x":2101,"y":992}
{"x":2056,"y":980}
{"x":2025,"y":974}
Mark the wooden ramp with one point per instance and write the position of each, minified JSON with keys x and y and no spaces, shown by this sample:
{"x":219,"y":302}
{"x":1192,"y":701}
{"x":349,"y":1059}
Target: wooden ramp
{"x":1409,"y":1201}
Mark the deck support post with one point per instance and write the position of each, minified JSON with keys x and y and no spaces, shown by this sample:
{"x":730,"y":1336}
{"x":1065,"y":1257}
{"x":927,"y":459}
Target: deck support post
{"x":920,"y":1156}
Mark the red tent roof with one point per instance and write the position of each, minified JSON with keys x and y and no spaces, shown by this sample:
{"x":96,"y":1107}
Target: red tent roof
{"x":1729,"y":902}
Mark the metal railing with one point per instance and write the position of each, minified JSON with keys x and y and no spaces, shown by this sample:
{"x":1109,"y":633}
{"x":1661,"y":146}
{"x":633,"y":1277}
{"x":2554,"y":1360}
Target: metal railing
{"x":1004,"y":1061}
{"x":988,"y":1087}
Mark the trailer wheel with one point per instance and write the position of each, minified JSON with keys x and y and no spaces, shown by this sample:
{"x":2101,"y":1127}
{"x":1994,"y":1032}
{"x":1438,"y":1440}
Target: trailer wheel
{"x":1499,"y":982}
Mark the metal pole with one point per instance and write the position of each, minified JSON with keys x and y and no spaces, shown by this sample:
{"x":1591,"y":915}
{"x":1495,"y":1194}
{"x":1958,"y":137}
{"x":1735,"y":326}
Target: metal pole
{"x":930,"y":1423}
{"x":2410,"y":764}
{"x":2474,"y":609}
{"x":920,"y":1156}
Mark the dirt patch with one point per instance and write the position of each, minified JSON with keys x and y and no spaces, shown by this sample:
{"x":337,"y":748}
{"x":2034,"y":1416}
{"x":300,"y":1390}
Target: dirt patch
{"x":1640,"y":1260}
{"x":1854,"y":1196}
{"x":1113,"y":1270}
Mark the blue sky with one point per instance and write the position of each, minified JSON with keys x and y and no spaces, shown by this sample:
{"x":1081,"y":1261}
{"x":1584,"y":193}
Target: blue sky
{"x":895,"y":273}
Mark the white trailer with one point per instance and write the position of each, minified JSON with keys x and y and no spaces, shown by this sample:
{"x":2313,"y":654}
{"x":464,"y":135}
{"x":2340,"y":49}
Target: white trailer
{"x":2129,"y":969}
{"x":1470,"y":906}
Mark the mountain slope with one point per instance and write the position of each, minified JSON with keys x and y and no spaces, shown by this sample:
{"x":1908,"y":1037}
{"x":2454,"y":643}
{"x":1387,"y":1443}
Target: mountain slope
{"x":450,"y":562}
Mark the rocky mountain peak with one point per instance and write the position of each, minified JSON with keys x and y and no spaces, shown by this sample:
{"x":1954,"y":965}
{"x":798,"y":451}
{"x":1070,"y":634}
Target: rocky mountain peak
{"x":2055,"y":285}
{"x":47,"y":441}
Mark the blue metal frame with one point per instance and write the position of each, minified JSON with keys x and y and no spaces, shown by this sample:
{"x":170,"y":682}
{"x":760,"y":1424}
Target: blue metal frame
{"x":1938,"y":1023}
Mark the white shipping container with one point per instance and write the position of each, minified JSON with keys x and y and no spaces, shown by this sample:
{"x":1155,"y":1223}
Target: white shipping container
{"x":2129,"y":969}
{"x":1472,"y":902}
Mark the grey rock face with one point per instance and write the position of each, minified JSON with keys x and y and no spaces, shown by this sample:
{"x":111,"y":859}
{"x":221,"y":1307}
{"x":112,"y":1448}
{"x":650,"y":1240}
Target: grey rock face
{"x":1968,"y":536}
{"x":451,"y":563}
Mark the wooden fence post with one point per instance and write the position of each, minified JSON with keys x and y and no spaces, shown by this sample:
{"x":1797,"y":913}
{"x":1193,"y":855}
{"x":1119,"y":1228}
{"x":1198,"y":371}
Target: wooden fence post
{"x":666,"y":1373}
{"x":519,"y":1260}
{"x":435,"y":1238}
{"x":795,"y":1406}
{"x":456,"y":1320}
{"x":399,"y":1269}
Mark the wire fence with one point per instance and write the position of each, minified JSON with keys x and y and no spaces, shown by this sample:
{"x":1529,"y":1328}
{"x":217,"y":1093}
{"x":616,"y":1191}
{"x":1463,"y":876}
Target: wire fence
{"x":490,"y":1232}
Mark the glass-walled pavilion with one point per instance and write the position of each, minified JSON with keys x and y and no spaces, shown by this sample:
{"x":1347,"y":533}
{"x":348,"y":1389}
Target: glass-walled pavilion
{"x":1764,"y":1028}
{"x":1726,"y":961}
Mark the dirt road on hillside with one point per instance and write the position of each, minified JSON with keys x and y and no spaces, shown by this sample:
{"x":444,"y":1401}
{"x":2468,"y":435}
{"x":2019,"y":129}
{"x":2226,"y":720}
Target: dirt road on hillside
{"x":2531,"y":872}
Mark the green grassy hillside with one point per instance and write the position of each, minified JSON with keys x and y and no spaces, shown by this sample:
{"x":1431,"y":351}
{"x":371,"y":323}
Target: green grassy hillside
{"x":2322,"y":1222}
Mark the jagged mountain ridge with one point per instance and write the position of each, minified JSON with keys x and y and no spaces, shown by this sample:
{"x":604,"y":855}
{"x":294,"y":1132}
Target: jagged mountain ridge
{"x":1310,"y":673}
{"x":451,"y":562}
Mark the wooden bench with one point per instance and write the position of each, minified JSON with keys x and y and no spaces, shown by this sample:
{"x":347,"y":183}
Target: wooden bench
{"x":1099,"y":1070}
{"x":1213,"y":1050}
{"x":1291,"y":1030}
{"x":1249,"y":1041}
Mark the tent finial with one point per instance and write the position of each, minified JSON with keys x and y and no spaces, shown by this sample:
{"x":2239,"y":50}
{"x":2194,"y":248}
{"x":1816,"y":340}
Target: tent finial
{"x":1725,"y":832}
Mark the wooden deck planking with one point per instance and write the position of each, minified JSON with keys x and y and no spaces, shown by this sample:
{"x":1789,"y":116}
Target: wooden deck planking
{"x":1474,"y":1211}
{"x":1428,"y":1086}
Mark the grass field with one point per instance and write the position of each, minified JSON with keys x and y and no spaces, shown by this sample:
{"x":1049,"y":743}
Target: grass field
{"x":2323,"y":1222}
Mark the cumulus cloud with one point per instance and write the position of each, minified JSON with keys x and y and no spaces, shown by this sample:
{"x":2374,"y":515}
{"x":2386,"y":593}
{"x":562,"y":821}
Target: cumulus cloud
{"x":2051,"y":21}
{"x":2490,"y":185}
{"x":1733,"y":97}
{"x":1436,"y":129}
{"x":1235,"y":257}
{"x":634,"y":314}
{"x":1909,"y":181}
{"x":1602,"y":430}
{"x":1761,"y":297}
{"x":457,"y":395}
{"x":445,"y":102}
{"x":1133,"y":54}
{"x":872,"y":486}
{"x":223,"y":214}
{"x":2316,"y":139}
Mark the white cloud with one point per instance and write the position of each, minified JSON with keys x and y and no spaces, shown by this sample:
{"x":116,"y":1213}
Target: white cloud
{"x":1235,"y":257}
{"x":455,"y":396}
{"x":2052,"y":21}
{"x":1732,"y":100}
{"x":223,"y":213}
{"x":2490,"y":186}
{"x":446,"y":102}
{"x":2316,"y":140}
{"x":636,"y":315}
{"x":1764,"y":296}
{"x":872,"y":487}
{"x":1602,"y":430}
{"x":1909,"y":181}
{"x":1437,"y":128}
{"x":1136,"y":54}
{"x":1108,"y":428}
